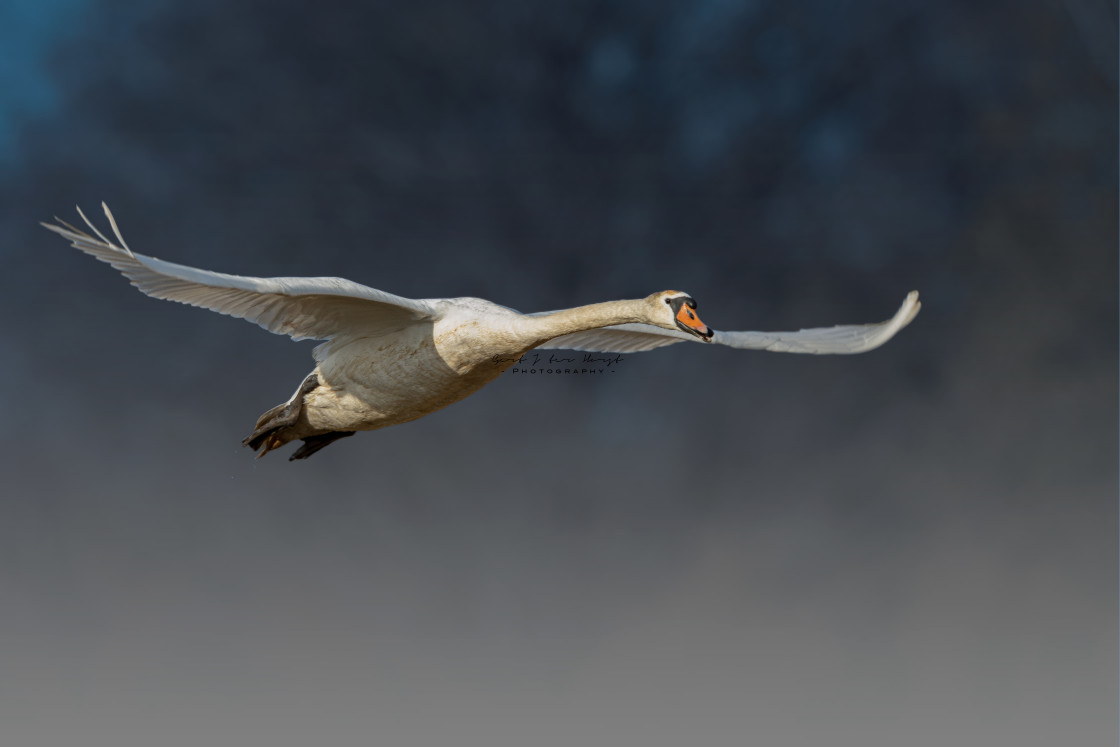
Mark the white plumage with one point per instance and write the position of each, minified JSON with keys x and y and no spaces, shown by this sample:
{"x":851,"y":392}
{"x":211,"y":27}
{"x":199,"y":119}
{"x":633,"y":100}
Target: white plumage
{"x":389,"y":359}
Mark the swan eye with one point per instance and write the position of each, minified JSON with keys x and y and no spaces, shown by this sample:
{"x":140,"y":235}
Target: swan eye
{"x":667,"y":302}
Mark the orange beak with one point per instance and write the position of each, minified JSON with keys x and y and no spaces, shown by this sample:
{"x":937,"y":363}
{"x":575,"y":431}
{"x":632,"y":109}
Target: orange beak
{"x":687,"y":316}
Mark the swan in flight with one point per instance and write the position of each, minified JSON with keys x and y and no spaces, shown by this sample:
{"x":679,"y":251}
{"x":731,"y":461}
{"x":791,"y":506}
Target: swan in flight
{"x":388,"y":360}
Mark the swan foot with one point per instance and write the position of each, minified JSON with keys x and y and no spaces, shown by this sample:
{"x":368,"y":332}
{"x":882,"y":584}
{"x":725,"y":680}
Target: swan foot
{"x":265,"y":436}
{"x":311,"y":444}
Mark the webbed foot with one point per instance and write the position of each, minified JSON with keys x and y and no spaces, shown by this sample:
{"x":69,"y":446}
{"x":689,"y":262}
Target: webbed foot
{"x":282,"y":416}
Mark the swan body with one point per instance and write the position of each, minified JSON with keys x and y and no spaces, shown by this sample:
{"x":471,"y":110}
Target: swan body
{"x":388,"y":359}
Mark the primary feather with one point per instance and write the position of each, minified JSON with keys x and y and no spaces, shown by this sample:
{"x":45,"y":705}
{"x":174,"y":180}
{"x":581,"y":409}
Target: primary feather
{"x":302,"y":308}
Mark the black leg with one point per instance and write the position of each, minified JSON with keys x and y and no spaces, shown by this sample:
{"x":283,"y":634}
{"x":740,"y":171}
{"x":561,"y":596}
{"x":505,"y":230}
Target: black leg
{"x":311,"y":444}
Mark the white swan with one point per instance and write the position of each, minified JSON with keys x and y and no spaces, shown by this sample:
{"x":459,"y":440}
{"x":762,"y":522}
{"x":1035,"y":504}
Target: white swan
{"x":389,"y":360}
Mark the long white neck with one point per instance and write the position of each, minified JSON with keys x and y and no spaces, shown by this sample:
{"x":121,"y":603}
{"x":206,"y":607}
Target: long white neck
{"x":542,"y":328}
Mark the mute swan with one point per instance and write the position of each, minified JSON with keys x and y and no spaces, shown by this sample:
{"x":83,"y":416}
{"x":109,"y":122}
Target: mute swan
{"x":389,"y":360}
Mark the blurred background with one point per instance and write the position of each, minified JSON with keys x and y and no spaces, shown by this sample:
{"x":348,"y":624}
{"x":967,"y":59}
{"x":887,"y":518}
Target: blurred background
{"x":913,"y":547}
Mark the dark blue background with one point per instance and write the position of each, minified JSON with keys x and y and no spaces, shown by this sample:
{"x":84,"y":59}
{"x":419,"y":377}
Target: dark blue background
{"x":709,"y":547}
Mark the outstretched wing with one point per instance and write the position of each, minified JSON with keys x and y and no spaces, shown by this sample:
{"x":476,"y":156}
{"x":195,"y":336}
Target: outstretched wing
{"x":302,"y":308}
{"x":621,"y":338}
{"x":843,"y":339}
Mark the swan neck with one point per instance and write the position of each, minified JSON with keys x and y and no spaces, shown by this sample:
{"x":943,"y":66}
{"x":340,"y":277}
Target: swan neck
{"x":582,"y":318}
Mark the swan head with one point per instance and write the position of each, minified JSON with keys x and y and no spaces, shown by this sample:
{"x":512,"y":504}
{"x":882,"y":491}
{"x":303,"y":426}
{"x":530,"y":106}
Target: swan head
{"x":677,"y":310}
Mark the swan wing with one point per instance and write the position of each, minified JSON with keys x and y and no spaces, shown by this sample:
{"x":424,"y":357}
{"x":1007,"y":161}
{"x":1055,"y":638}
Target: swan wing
{"x":621,"y":338}
{"x":302,"y":308}
{"x":842,"y":339}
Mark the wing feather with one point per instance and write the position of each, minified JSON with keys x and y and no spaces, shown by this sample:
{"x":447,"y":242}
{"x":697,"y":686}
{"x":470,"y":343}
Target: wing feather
{"x":623,"y":338}
{"x":302,"y":308}
{"x":839,"y":340}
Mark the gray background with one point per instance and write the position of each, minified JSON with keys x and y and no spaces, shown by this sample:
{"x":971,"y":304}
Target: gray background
{"x":709,"y":547}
